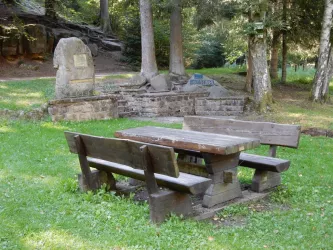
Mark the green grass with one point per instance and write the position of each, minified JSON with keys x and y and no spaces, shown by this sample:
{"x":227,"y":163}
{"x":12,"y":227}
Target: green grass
{"x":212,"y":71}
{"x":25,"y":95}
{"x":40,"y":207}
{"x":302,"y":77}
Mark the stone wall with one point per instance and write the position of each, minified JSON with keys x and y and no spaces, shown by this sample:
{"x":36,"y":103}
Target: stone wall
{"x":164,"y":104}
{"x":225,"y":106}
{"x":84,"y":108}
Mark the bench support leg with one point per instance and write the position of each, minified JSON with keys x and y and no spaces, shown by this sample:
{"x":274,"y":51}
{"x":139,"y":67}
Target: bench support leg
{"x":263,"y":180}
{"x":223,"y":172}
{"x":98,"y":178}
{"x":165,"y":202}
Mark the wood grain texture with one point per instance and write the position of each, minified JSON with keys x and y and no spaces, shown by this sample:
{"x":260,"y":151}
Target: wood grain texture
{"x":184,"y":183}
{"x":268,"y":133}
{"x":190,"y":140}
{"x":263,"y":163}
{"x":126,"y":152}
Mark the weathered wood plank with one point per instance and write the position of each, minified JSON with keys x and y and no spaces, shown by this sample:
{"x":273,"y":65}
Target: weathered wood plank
{"x":184,"y":183}
{"x":263,"y":163}
{"x":126,"y":152}
{"x":268,"y":133}
{"x":192,"y":168}
{"x":149,"y":171}
{"x":189,"y":140}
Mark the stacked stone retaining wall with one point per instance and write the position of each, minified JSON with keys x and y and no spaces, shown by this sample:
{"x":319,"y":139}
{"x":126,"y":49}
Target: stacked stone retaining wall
{"x":225,"y":106}
{"x":164,"y":104}
{"x":85,"y":108}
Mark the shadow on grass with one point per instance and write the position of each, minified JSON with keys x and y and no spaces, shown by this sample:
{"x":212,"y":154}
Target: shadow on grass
{"x":25,"y":95}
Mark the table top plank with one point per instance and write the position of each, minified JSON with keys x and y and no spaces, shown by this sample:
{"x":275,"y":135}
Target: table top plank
{"x":190,"y":140}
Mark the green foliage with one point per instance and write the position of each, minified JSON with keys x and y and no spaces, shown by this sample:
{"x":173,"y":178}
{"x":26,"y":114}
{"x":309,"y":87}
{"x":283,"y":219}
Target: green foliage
{"x":211,"y":52}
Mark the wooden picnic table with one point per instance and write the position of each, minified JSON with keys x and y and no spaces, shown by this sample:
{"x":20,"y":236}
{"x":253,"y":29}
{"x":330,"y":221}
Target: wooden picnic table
{"x":220,"y":154}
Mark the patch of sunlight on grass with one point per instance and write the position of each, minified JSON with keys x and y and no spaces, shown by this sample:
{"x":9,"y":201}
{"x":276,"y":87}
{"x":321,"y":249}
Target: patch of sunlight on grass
{"x":35,"y":94}
{"x":3,"y":87}
{"x":5,"y":129}
{"x":56,"y":239}
{"x":296,"y":115}
{"x":54,"y":126}
{"x":121,"y":76}
{"x":28,"y":103}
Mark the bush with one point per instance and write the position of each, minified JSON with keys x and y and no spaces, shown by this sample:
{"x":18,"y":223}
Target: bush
{"x":210,"y":54}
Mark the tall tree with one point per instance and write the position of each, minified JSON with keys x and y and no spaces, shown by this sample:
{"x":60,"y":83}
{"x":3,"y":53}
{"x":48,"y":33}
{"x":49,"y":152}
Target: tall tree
{"x":261,"y":79}
{"x":284,"y":43}
{"x":176,"y":65}
{"x":105,"y":17}
{"x":148,"y":61}
{"x":275,"y":54}
{"x":320,"y":89}
{"x":275,"y":16}
{"x":50,"y":8}
{"x":249,"y":73}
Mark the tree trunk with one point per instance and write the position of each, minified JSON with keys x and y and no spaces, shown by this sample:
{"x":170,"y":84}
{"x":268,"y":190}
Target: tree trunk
{"x":320,"y":89}
{"x":176,"y":41}
{"x":50,"y":9}
{"x":275,"y":55}
{"x":249,"y":74}
{"x":148,"y":63}
{"x":261,"y":80}
{"x":104,"y":17}
{"x":330,"y":65}
{"x":284,"y":44}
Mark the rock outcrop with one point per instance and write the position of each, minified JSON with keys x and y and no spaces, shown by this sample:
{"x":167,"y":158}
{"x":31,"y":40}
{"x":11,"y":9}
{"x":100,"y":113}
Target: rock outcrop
{"x":39,"y":35}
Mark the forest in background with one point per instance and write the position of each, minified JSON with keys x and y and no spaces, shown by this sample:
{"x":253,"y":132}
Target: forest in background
{"x":214,"y":32}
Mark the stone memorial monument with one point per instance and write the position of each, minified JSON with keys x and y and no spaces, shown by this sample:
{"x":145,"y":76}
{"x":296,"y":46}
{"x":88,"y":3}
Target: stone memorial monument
{"x":201,"y":83}
{"x":76,"y":72}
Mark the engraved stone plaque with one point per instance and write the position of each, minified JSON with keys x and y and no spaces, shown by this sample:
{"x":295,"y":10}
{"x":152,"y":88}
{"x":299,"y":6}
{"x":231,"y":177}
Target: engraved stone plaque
{"x":80,"y":61}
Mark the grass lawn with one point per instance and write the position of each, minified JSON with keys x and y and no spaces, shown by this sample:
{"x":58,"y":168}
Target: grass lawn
{"x":25,"y":95}
{"x":40,"y":207}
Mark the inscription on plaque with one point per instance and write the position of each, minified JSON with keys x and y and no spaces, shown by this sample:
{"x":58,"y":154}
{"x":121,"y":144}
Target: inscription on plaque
{"x":199,"y":79}
{"x":80,"y":61}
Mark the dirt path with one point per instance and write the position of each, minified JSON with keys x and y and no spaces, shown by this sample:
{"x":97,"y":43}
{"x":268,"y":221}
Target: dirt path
{"x":26,"y":69}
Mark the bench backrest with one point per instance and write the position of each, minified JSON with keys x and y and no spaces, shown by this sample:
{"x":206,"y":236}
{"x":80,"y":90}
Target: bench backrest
{"x":268,"y":133}
{"x":126,"y":152}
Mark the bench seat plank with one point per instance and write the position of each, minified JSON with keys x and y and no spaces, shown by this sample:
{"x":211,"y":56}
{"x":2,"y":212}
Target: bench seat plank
{"x":263,"y":162}
{"x":185,"y":182}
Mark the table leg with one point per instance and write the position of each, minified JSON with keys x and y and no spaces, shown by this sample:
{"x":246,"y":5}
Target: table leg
{"x":222,"y":170}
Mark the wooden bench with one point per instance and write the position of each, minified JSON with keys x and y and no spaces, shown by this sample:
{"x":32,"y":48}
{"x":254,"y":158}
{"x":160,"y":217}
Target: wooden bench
{"x":156,"y":165}
{"x":267,"y":169}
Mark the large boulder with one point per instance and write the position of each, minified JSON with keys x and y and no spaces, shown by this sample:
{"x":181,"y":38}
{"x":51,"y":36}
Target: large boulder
{"x":93,"y":48}
{"x":111,"y":44}
{"x":76,"y":72}
{"x":217,"y":92}
{"x":160,"y":83}
{"x":138,"y":80}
